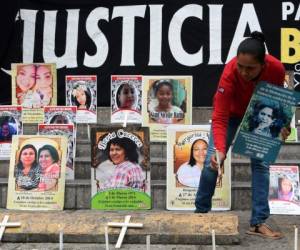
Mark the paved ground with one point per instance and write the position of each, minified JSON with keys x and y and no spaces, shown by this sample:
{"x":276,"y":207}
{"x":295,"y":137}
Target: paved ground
{"x":283,"y":223}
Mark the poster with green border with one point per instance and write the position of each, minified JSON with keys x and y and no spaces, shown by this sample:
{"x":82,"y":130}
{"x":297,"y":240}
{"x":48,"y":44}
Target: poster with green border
{"x":120,"y":174}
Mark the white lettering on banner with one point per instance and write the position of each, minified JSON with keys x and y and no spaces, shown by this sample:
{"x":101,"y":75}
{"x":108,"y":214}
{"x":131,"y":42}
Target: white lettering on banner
{"x":29,"y":17}
{"x":71,"y":39}
{"x":92,"y":28}
{"x":128,"y":15}
{"x":156,"y":35}
{"x":178,"y":52}
{"x":288,"y":8}
{"x":215,"y":34}
{"x":249,"y":18}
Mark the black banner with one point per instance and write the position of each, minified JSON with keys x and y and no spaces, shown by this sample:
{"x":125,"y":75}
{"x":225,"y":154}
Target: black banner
{"x":133,"y":37}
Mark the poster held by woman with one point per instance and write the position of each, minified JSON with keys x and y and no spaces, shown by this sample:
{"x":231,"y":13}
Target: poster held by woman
{"x":120,"y":168}
{"x":271,"y":109}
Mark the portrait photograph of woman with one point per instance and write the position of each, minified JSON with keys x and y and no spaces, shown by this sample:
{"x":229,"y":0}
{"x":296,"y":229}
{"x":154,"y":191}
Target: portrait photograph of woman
{"x":126,"y":95}
{"x":37,"y":172}
{"x":120,"y":163}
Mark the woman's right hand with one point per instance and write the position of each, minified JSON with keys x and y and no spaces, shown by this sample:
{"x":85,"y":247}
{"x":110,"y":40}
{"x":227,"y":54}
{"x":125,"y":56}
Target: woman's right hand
{"x":213,"y":160}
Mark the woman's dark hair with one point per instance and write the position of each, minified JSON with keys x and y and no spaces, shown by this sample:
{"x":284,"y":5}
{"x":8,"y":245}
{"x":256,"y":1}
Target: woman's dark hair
{"x":254,"y":45}
{"x":88,"y":99}
{"x":119,"y":92}
{"x":59,"y":119}
{"x":278,"y":116}
{"x":163,"y":82}
{"x":20,"y":164}
{"x":192,"y":160}
{"x":129,"y":147}
{"x":51,"y":150}
{"x":280,"y":180}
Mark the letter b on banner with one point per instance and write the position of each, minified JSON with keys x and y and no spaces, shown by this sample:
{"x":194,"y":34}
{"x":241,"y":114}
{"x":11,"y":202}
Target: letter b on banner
{"x":290,"y":48}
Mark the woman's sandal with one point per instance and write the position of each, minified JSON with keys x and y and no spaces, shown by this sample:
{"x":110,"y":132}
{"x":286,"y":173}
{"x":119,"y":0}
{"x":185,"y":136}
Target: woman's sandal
{"x":263,"y":230}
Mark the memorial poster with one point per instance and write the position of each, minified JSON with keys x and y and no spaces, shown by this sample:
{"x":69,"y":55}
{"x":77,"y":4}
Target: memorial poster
{"x":186,"y":152}
{"x":284,"y":193}
{"x":126,"y":99}
{"x":120,"y":168}
{"x":81,"y":91}
{"x":60,"y":114}
{"x":167,"y":100}
{"x":66,"y":130}
{"x":10,"y":124}
{"x":270,"y":109}
{"x":33,"y":87}
{"x":37,"y":172}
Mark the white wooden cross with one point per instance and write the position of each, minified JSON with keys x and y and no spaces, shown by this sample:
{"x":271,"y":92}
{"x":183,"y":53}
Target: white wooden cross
{"x":5,"y":224}
{"x":124,"y":227}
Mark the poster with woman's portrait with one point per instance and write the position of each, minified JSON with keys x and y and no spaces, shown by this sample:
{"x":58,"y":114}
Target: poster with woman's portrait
{"x":10,"y":124}
{"x":126,"y":99}
{"x":81,"y":91}
{"x":270,"y":109}
{"x":120,"y":168}
{"x":33,"y":87}
{"x":186,"y":152}
{"x":37,"y":172}
{"x":284,"y":192}
{"x":167,"y":100}
{"x":60,"y":114}
{"x":66,"y":130}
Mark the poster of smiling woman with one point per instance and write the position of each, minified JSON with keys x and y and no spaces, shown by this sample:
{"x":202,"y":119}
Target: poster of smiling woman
{"x":37,"y":172}
{"x":33,"y":87}
{"x":81,"y":91}
{"x":126,"y":98}
{"x":186,"y":152}
{"x":167,"y":100}
{"x":120,"y":168}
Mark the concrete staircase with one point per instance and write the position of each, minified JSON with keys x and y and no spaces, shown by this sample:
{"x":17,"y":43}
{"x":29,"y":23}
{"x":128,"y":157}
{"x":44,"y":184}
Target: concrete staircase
{"x":78,"y":193}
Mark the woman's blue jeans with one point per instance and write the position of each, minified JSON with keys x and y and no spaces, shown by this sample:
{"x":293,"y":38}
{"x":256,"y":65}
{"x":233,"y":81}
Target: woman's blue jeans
{"x":260,"y":181}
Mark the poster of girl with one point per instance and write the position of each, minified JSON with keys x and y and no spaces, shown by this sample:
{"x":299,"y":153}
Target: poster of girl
{"x":187,"y":147}
{"x":10,"y":124}
{"x":33,"y":87}
{"x":167,"y":100}
{"x":37,"y":172}
{"x":81,"y":91}
{"x":126,"y":98}
{"x":120,"y":168}
{"x":284,"y":192}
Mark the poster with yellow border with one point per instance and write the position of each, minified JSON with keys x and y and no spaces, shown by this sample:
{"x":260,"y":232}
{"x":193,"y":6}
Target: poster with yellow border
{"x":33,"y":87}
{"x":186,"y":152}
{"x":167,"y":100}
{"x":37,"y":172}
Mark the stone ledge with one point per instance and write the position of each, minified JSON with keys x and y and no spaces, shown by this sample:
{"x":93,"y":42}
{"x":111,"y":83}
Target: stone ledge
{"x":87,"y":226}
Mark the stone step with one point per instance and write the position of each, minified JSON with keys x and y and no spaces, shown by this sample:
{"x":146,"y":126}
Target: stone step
{"x":78,"y":194}
{"x":82,"y":226}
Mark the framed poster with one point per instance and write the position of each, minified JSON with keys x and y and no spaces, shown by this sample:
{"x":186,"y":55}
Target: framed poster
{"x":81,"y":91}
{"x":186,"y":152}
{"x":284,"y":193}
{"x":33,"y":87}
{"x":10,"y":124}
{"x":66,"y":130}
{"x":120,"y":168}
{"x":37,"y":172}
{"x":167,"y":100}
{"x":126,"y":99}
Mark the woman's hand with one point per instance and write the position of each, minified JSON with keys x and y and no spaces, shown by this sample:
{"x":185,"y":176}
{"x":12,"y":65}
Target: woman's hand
{"x":285,"y":132}
{"x":213,"y":160}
